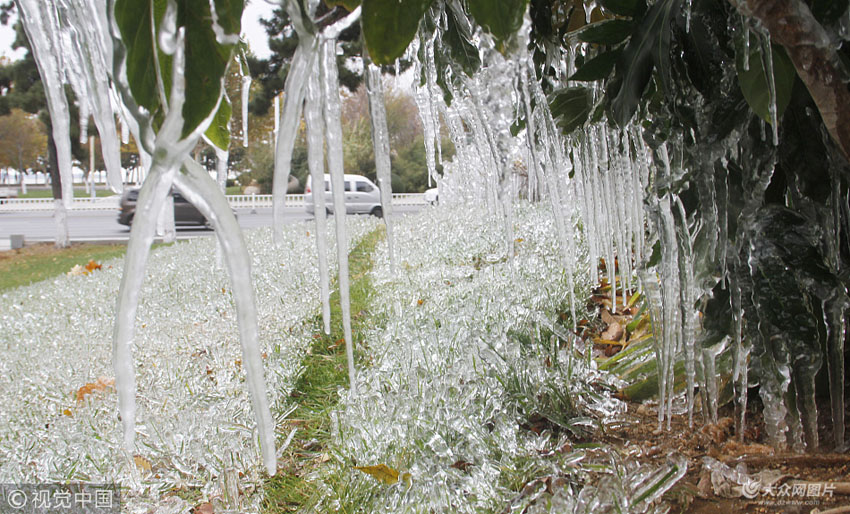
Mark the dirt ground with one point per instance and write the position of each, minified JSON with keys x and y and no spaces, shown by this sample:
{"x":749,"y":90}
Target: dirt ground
{"x":695,"y":493}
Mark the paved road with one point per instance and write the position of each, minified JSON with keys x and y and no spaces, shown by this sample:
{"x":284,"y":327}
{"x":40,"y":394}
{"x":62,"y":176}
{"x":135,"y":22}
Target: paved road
{"x":103,"y":225}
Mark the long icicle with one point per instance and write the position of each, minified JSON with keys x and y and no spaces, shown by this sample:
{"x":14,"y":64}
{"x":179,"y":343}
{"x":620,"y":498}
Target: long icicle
{"x":199,"y":188}
{"x":316,"y":163}
{"x":288,"y":129}
{"x":333,"y":136}
{"x":381,"y":144}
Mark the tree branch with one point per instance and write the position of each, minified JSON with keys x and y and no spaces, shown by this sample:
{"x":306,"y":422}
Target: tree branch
{"x":791,"y":24}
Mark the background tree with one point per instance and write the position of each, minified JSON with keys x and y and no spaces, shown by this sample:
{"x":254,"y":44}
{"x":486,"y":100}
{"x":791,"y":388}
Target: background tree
{"x":23,"y":143}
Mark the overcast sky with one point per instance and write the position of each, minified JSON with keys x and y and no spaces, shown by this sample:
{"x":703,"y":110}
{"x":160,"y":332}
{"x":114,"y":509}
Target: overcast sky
{"x":252,"y":31}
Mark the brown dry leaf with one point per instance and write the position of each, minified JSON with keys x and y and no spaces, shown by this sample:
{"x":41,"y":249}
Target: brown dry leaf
{"x":461,"y":465}
{"x":68,"y":413}
{"x":102,"y":384}
{"x":92,"y":265}
{"x":601,"y":300}
{"x":607,"y":317}
{"x":142,"y":463}
{"x":614,"y":332}
{"x":382,"y":473}
{"x":420,"y":301}
{"x":204,"y":508}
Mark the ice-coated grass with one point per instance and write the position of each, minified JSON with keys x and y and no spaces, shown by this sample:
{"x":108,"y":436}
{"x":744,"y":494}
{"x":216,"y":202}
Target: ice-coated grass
{"x":456,"y":321}
{"x":195,"y":424}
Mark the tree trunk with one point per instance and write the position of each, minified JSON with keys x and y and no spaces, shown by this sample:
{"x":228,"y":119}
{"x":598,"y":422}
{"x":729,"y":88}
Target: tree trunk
{"x":791,"y":24}
{"x":59,"y":214}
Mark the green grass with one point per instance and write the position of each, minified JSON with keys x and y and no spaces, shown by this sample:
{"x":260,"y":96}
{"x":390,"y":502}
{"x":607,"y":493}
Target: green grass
{"x":233,"y":190}
{"x":42,"y":261}
{"x":78,"y":193}
{"x":315,"y":393}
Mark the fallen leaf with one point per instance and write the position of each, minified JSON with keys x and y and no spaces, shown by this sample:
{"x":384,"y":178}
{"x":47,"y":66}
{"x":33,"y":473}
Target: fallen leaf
{"x":614,"y":332}
{"x":461,"y":465}
{"x":77,"y":270}
{"x":204,"y":508}
{"x":142,"y":463}
{"x":382,"y":473}
{"x":420,"y":301}
{"x":92,"y":266}
{"x":68,"y":413}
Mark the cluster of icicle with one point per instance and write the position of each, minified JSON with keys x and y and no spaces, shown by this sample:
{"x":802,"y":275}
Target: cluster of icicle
{"x":78,"y":42}
{"x":69,"y":44}
{"x":620,"y":185}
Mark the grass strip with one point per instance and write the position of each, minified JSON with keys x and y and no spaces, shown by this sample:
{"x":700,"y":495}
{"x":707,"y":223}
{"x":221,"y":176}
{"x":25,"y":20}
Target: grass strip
{"x":42,"y":261}
{"x":316,"y":391}
{"x":78,"y":193}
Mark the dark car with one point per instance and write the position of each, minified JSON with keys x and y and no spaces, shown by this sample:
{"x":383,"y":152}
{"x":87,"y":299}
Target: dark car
{"x":184,"y":212}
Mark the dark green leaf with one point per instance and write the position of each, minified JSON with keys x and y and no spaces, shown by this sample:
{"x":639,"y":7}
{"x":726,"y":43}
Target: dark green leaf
{"x":389,"y":26}
{"x":634,"y":68}
{"x":133,"y":18}
{"x":206,"y":59}
{"x":599,"y":67}
{"x":753,"y":82}
{"x":570,"y":107}
{"x":633,"y":8}
{"x":461,"y":49}
{"x":501,"y":19}
{"x":219,"y":130}
{"x":518,"y":126}
{"x":605,"y":32}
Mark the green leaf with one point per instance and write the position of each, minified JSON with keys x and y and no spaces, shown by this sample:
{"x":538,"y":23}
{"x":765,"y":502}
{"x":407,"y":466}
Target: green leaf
{"x":599,"y":67}
{"x":753,"y":82}
{"x":133,"y":18}
{"x":219,"y":130}
{"x":634,"y":68}
{"x":389,"y":26}
{"x":570,"y":107}
{"x":206,"y":59}
{"x":461,"y":49}
{"x":605,"y":32}
{"x":633,"y":8}
{"x":501,"y":19}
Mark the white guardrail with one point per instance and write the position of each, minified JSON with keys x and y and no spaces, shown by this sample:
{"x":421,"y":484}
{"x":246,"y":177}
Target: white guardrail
{"x":112,"y":202}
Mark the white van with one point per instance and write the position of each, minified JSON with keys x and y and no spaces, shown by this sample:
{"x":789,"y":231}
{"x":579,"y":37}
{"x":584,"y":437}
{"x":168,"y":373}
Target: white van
{"x":362,"y":196}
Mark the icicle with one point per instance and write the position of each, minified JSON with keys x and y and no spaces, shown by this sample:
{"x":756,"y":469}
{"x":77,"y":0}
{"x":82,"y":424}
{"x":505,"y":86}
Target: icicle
{"x":246,"y":92}
{"x":91,"y":165}
{"x":221,"y":157}
{"x":203,"y":192}
{"x":316,"y":163}
{"x":276,"y":115}
{"x":381,"y":144}
{"x":39,"y":21}
{"x":333,"y":137}
{"x":767,"y":55}
{"x":288,"y":128}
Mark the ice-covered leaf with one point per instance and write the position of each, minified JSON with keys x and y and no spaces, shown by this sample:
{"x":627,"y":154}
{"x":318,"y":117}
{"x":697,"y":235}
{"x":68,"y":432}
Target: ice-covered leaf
{"x":461,"y":49}
{"x":501,"y":19}
{"x":219,"y":130}
{"x":389,"y":26}
{"x":754,"y":85}
{"x":570,"y":107}
{"x":605,"y":32}
{"x":597,"y":68}
{"x":206,"y":58}
{"x":634,"y":68}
